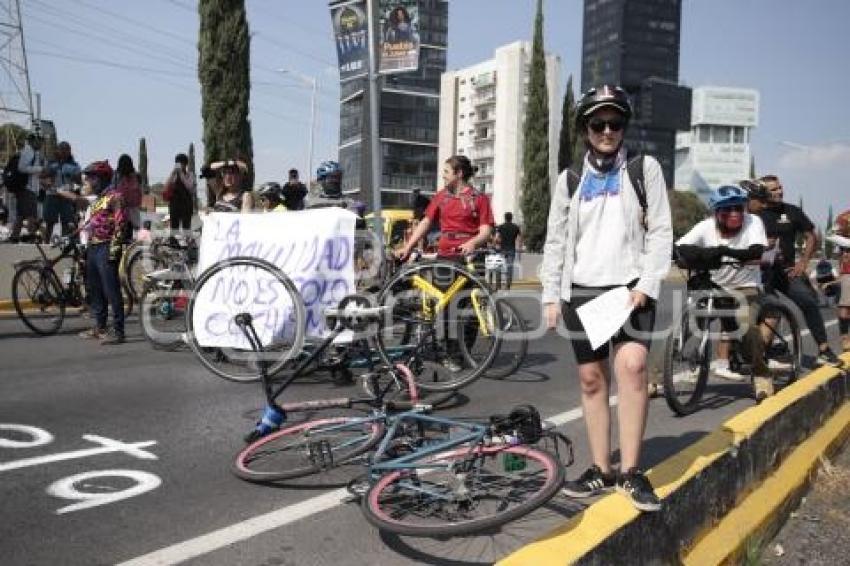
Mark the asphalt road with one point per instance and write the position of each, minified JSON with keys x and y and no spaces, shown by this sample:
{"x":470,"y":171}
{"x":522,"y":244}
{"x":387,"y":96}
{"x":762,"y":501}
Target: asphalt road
{"x":114,"y":454}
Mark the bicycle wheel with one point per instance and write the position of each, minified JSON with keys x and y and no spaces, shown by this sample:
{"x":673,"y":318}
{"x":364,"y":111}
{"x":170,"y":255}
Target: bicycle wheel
{"x":244,"y":285}
{"x":686,"y":363}
{"x":307,"y":448}
{"x":512,"y":346}
{"x":141,"y":260}
{"x":162,"y":315}
{"x":784,"y":344}
{"x":39,"y":298}
{"x":433,"y":334}
{"x":463,"y":491}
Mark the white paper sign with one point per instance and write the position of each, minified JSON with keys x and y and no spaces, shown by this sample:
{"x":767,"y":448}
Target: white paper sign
{"x":315,"y":248}
{"x":605,"y":315}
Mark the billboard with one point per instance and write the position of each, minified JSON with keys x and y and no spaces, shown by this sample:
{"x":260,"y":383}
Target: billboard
{"x":351,"y":32}
{"x":399,"y":36}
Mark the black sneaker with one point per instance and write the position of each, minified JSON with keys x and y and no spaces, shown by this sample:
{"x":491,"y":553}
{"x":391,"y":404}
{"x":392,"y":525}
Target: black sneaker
{"x":634,"y":485}
{"x":828,"y":358}
{"x":591,"y":482}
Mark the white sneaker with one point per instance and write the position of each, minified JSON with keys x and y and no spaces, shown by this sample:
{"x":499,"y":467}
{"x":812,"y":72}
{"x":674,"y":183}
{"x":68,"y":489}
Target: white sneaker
{"x":686,"y":376}
{"x":729,"y":375}
{"x":776,"y":365}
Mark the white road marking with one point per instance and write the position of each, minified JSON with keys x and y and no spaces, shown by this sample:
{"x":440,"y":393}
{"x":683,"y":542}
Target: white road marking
{"x":192,"y":548}
{"x":107,"y":445}
{"x":66,"y":488}
{"x":39,"y":436}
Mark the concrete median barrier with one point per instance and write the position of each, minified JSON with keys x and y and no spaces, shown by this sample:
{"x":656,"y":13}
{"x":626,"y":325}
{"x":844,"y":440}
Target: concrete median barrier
{"x":758,"y":460}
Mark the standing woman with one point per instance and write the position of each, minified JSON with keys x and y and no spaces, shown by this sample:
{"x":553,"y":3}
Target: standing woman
{"x":181,"y":188}
{"x":129,"y":187}
{"x":232,"y":198}
{"x":599,"y":238}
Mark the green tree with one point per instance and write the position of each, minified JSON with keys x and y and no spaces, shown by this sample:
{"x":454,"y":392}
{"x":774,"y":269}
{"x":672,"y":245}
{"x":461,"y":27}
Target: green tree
{"x":224,"y":58}
{"x":567,"y":140}
{"x":143,"y":165}
{"x":828,"y":247}
{"x":752,"y":167}
{"x":535,"y":155}
{"x":192,"y":158}
{"x":686,"y":209}
{"x":12,"y":138}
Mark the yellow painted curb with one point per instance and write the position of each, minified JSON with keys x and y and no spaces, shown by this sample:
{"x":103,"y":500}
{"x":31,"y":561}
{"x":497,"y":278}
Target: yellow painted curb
{"x":728,"y":539}
{"x":587,"y":530}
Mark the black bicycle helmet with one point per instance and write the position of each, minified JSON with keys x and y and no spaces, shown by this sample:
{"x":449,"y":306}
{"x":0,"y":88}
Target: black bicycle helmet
{"x":600,"y":97}
{"x":270,"y":191}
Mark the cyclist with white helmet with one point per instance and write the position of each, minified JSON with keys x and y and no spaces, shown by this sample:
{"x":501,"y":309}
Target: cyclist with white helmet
{"x":734,"y":233}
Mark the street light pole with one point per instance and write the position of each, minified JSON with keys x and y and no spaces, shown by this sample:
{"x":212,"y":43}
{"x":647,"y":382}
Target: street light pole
{"x":313,"y":82}
{"x":374,"y":128}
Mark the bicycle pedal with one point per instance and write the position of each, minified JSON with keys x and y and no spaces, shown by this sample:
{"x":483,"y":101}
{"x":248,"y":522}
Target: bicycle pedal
{"x":320,"y":454}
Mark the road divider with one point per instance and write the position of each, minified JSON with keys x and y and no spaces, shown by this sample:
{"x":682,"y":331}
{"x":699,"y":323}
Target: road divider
{"x":706,"y":482}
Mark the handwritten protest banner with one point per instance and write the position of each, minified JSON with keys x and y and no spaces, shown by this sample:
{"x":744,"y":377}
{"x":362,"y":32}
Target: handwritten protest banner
{"x":315,"y":248}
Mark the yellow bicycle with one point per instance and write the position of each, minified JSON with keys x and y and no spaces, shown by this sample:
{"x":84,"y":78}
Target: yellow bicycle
{"x":447,"y":319}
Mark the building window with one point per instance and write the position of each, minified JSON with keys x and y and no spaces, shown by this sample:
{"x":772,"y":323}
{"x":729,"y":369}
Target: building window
{"x":739,"y":134}
{"x":720,"y":134}
{"x":704,"y":134}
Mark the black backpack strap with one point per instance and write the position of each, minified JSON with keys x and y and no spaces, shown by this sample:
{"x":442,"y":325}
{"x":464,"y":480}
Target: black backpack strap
{"x":634,"y":169}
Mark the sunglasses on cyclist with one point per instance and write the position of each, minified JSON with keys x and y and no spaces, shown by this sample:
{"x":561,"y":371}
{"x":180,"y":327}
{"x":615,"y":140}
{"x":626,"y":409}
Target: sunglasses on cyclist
{"x":730,"y":209}
{"x":598,"y":124}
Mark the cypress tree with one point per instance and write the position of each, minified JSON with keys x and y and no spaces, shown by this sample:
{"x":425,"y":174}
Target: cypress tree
{"x":143,"y":166}
{"x":191,"y":156}
{"x":224,"y":72}
{"x":567,"y":140}
{"x":535,"y":158}
{"x":828,"y":247}
{"x":752,"y":167}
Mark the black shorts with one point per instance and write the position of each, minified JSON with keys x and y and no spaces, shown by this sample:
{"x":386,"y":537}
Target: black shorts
{"x":637,"y":329}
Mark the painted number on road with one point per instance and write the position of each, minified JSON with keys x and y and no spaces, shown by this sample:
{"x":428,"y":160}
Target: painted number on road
{"x":89,"y":489}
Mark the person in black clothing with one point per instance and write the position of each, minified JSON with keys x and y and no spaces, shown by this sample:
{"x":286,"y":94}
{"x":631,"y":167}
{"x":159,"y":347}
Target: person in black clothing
{"x":294,"y":192}
{"x":182,"y":188}
{"x":508,"y":234}
{"x":420,"y":203}
{"x":783,"y":222}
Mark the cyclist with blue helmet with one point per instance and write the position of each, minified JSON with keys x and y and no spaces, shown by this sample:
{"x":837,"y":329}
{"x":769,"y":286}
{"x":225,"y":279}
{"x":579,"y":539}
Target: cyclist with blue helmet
{"x":734,"y":233}
{"x":329,"y":175}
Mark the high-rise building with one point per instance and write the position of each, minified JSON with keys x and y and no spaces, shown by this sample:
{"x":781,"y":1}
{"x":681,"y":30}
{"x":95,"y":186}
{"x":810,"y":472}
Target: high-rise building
{"x":635,"y":44}
{"x":409,"y":118}
{"x":716,"y":151}
{"x":482,"y":115}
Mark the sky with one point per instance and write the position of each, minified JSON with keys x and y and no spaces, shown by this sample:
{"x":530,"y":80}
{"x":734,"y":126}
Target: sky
{"x":112,"y":71}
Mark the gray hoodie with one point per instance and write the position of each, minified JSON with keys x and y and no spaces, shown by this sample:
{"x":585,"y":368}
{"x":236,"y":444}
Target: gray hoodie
{"x":652,"y":246}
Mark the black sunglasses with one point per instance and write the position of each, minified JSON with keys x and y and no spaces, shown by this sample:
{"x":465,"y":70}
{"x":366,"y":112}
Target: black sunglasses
{"x":730,"y":209}
{"x":598,"y":124}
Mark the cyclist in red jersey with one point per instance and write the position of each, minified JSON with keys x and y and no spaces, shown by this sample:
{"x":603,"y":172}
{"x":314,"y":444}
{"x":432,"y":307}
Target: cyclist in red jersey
{"x":465,"y":217}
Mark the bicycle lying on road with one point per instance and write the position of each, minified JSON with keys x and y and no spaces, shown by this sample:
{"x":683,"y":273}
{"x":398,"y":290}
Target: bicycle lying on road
{"x":428,"y":476}
{"x":688,"y":349}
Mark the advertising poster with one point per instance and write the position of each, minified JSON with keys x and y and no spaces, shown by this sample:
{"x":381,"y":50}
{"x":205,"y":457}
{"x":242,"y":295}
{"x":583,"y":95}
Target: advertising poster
{"x":351,"y":32}
{"x":399,"y":36}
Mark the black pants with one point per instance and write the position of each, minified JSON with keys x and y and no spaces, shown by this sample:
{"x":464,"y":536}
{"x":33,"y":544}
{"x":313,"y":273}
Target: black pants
{"x":104,"y":287}
{"x":180,"y":213}
{"x":804,"y":296}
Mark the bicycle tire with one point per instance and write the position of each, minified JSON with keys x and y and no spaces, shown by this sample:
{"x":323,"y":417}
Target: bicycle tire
{"x":680,"y":373}
{"x":224,"y":362}
{"x":432,"y":377}
{"x":514,"y":334}
{"x":141,"y":260}
{"x":292,"y":446}
{"x":48,"y":292}
{"x":160,"y":306}
{"x":794,"y":354}
{"x":390,"y":491}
